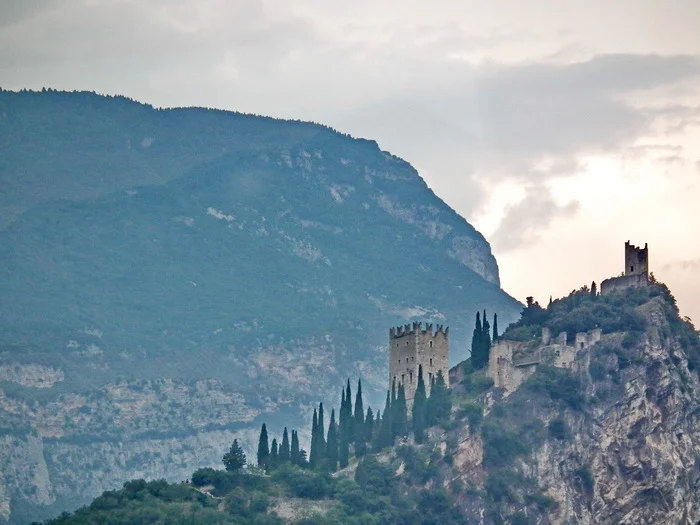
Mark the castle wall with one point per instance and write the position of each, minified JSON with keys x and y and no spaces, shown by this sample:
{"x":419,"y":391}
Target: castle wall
{"x":616,"y":284}
{"x":412,"y":346}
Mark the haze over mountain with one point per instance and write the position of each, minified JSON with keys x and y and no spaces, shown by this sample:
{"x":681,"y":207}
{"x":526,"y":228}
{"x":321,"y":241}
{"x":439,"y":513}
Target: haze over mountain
{"x":172,"y":276}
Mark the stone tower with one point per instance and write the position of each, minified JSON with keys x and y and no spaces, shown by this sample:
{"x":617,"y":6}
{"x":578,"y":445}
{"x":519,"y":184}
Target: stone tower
{"x":411,"y":346}
{"x":636,"y":260}
{"x":636,"y":272}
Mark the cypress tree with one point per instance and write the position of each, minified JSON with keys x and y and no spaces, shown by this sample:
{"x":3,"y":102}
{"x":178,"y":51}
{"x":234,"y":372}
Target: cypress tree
{"x":349,"y":421}
{"x":495,"y":328}
{"x":263,"y":448}
{"x":386,"y":433}
{"x":313,"y":456}
{"x":419,"y":406}
{"x":359,"y":423}
{"x":332,"y":444}
{"x":321,"y":434}
{"x":594,"y":289}
{"x":477,"y":357}
{"x":294,"y":449}
{"x":377,"y":432}
{"x":341,"y":414}
{"x":284,"y":447}
{"x":274,"y":453}
{"x":343,"y":450}
{"x":400,"y":415}
{"x":439,"y":403}
{"x":369,"y":424}
{"x":485,"y":342}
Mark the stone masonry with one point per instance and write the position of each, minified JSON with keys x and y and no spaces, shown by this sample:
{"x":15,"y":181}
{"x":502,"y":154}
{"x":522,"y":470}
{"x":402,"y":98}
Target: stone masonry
{"x":512,"y":362}
{"x":636,"y":272}
{"x":411,"y":346}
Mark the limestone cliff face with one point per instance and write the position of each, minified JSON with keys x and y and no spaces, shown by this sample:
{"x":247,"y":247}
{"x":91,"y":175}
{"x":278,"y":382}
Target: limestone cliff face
{"x":628,"y":454}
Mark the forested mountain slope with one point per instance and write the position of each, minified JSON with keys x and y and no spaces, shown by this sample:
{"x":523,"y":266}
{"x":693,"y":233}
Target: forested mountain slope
{"x":170,"y":277}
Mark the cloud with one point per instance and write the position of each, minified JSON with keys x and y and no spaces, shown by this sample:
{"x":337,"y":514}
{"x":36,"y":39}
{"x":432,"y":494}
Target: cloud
{"x":522,"y":221}
{"x":691,"y":265}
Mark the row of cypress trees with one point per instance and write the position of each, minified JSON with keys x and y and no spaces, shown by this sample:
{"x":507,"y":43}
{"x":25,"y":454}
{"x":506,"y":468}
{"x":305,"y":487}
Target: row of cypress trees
{"x":288,"y":451}
{"x":357,"y":431}
{"x":482,"y":340}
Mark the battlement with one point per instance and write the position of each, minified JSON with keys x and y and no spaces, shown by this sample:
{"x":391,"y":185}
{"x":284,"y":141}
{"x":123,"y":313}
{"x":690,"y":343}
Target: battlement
{"x":417,"y":327}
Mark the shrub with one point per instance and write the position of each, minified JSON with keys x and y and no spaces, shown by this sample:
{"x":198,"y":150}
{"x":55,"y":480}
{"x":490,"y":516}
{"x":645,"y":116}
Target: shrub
{"x":473,"y":413}
{"x":501,"y":445}
{"x":558,"y":429}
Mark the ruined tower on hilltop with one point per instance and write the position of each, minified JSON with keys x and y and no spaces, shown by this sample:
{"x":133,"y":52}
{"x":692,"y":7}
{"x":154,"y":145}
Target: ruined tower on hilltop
{"x":411,"y":346}
{"x":636,"y":270}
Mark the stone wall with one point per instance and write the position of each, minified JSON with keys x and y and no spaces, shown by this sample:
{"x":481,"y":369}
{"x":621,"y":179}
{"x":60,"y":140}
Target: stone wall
{"x":512,"y":362}
{"x":615,"y":284}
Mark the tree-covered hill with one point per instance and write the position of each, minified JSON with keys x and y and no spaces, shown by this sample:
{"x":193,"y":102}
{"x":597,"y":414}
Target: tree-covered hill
{"x":173,"y":276}
{"x":610,"y":440}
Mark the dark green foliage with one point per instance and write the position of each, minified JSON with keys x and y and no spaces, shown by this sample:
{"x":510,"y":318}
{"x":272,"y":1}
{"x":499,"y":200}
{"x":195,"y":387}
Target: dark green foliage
{"x":360,"y":436}
{"x":369,"y":425}
{"x":399,"y":414}
{"x":475,"y":384}
{"x":495,"y":328}
{"x":473,"y":413}
{"x":274,"y":452}
{"x":439,"y":403}
{"x":386,"y":432}
{"x":501,"y":445}
{"x":263,"y":448}
{"x":372,"y":475}
{"x":315,"y":454}
{"x":560,"y":385}
{"x":321,"y":441}
{"x":294,"y":449}
{"x":332,"y":444}
{"x":234,"y":459}
{"x":285,"y":453}
{"x":558,"y":429}
{"x":481,"y":343}
{"x":585,"y":478}
{"x":419,"y":408}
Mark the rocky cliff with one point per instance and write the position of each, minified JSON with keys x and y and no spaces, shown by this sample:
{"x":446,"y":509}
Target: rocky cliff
{"x":171,"y":277}
{"x":615,"y":441}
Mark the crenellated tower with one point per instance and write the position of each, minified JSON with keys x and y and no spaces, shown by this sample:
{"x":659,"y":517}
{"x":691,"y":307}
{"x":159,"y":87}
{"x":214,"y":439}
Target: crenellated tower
{"x":413,"y":345}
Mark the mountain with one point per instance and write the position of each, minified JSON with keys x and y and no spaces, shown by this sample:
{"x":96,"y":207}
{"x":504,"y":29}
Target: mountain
{"x":611,"y":437}
{"x":173,"y":277}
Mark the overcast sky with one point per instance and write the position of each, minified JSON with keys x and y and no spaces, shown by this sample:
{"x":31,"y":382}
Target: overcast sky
{"x":559,"y":129}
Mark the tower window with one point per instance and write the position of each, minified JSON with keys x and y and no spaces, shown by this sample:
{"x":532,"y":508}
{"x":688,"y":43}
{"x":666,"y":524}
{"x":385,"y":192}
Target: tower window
{"x":403,"y":377}
{"x":431,"y":344}
{"x":397,"y":345}
{"x":431,"y":361}
{"x":406,"y":343}
{"x":410,"y":377}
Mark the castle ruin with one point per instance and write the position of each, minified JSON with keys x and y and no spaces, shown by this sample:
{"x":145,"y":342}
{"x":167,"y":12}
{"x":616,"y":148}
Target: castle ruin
{"x":636,"y":272}
{"x":412,"y":345}
{"x":512,"y":362}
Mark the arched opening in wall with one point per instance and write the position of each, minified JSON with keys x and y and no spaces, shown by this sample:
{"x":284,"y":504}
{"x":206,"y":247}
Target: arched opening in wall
{"x":397,"y":345}
{"x":581,"y":345}
{"x":431,"y":361}
{"x":403,"y":378}
{"x":431,"y":344}
{"x":631,"y":268}
{"x":406,"y":343}
{"x":410,"y":377}
{"x":430,"y":377}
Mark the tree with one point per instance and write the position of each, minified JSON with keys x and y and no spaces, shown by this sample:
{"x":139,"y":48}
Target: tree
{"x":349,"y":429}
{"x":377,"y":432}
{"x":284,"y":447}
{"x":294,"y":449}
{"x":594,"y":289}
{"x":263,"y":448}
{"x":313,"y":456}
{"x":495,"y":328}
{"x":332,"y":444}
{"x":321,"y":436}
{"x":359,"y":423}
{"x":369,"y":425}
{"x":477,"y":344}
{"x":419,"y":406}
{"x":439,"y":403}
{"x":274,"y":453}
{"x":400,"y":414}
{"x":386,"y":433}
{"x":234,"y":459}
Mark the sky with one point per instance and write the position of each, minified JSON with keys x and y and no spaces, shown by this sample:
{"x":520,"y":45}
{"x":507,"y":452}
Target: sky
{"x":559,"y":129}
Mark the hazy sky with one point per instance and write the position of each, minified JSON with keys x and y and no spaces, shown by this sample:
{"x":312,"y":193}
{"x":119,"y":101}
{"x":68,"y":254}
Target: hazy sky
{"x":559,"y":129}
